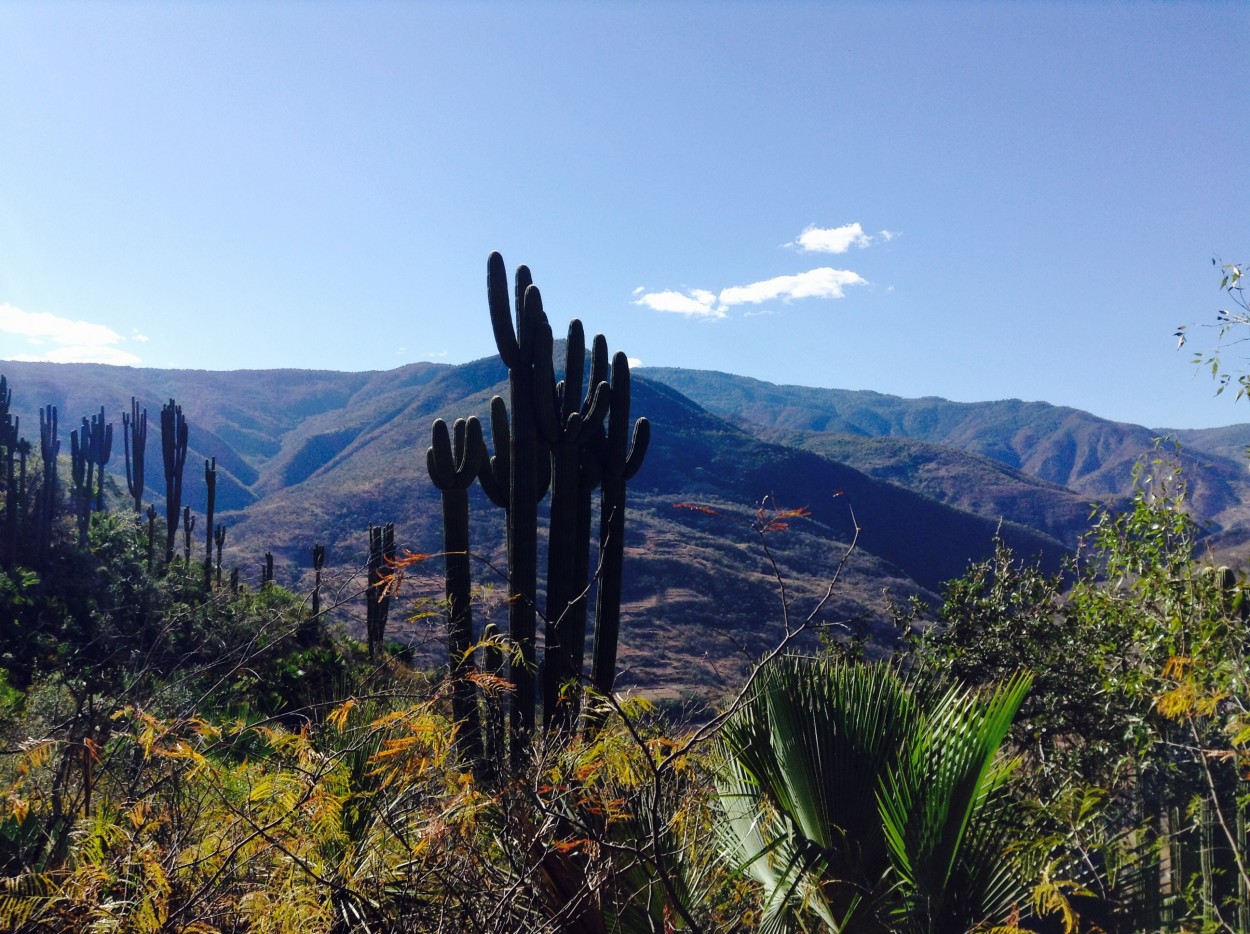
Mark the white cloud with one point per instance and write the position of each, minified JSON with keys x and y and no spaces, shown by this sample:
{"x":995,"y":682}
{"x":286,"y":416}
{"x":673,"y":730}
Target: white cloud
{"x":633,"y":362}
{"x":698,"y":302}
{"x":824,"y":282}
{"x":758,"y":312}
{"x":831,"y":239}
{"x":62,"y":340}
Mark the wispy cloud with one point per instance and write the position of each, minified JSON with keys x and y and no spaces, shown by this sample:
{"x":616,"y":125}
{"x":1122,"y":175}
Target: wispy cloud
{"x":695,"y":303}
{"x":824,"y":282}
{"x":53,"y":339}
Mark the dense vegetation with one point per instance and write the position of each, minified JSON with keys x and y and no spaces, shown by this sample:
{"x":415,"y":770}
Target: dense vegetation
{"x":1045,"y":750}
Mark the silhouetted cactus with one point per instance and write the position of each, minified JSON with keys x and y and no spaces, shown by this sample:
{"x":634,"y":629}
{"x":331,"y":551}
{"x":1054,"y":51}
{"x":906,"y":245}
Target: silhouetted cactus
{"x":453,"y":466}
{"x":188,"y":525}
{"x":219,"y":539}
{"x":10,"y":452}
{"x":266,"y":570}
{"x":309,"y":628}
{"x":81,"y":475}
{"x":101,"y":451}
{"x":517,"y":343}
{"x":151,"y":535}
{"x":14,"y":451}
{"x":620,"y":461}
{"x":377,"y":596}
{"x":135,"y":443}
{"x":210,"y":485}
{"x":567,"y":423}
{"x":49,"y":450}
{"x":174,"y":437}
{"x":554,"y":433}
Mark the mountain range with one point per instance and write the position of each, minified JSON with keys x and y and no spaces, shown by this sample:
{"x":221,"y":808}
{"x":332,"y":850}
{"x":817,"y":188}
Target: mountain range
{"x":306,"y":457}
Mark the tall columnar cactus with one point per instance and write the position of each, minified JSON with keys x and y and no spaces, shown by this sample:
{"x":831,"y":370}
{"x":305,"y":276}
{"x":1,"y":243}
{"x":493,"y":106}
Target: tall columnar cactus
{"x":49,"y":450}
{"x":135,"y":443}
{"x":219,"y":539}
{"x":550,"y":433}
{"x":210,"y":485}
{"x":567,"y":423}
{"x":310,"y":627}
{"x":174,"y":437}
{"x":151,"y":514}
{"x":454,"y":459}
{"x":266,"y":570}
{"x":15,"y":509}
{"x":188,"y":526}
{"x":101,"y":451}
{"x":81,"y":473}
{"x":10,"y":448}
{"x":621,"y":459}
{"x":516,"y":343}
{"x":377,"y":596}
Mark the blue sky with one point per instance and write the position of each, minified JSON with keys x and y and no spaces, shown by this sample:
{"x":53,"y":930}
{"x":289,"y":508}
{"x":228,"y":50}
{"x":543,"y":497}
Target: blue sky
{"x":975,"y":201}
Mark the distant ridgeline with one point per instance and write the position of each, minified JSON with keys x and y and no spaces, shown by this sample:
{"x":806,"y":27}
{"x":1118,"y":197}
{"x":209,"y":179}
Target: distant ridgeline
{"x":296,"y":461}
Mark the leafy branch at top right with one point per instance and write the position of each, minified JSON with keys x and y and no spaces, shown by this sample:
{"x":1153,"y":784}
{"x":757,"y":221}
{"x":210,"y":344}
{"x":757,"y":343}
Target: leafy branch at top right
{"x":1229,"y":322}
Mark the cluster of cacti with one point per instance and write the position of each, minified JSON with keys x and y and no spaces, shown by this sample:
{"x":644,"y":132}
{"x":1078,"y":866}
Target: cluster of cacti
{"x":26,"y":527}
{"x":14,"y":451}
{"x":549,"y":434}
{"x":91,"y":446}
{"x":378,"y":596}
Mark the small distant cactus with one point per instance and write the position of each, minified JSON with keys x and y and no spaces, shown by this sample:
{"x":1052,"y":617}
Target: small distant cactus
{"x":219,"y":539}
{"x":377,"y":597}
{"x":188,"y":525}
{"x":49,"y":451}
{"x":174,"y":437}
{"x":210,"y":485}
{"x":135,"y":442}
{"x":310,"y":626}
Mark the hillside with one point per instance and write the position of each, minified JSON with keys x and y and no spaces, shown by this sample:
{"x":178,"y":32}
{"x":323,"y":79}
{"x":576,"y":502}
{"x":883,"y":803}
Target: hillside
{"x":310,"y":457}
{"x":1077,"y":456}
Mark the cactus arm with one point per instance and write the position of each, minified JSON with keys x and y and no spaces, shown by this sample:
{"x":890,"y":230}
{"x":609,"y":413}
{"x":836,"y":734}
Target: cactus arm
{"x":493,"y":475}
{"x":574,"y":370}
{"x":638,"y":448}
{"x":500,"y":311}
